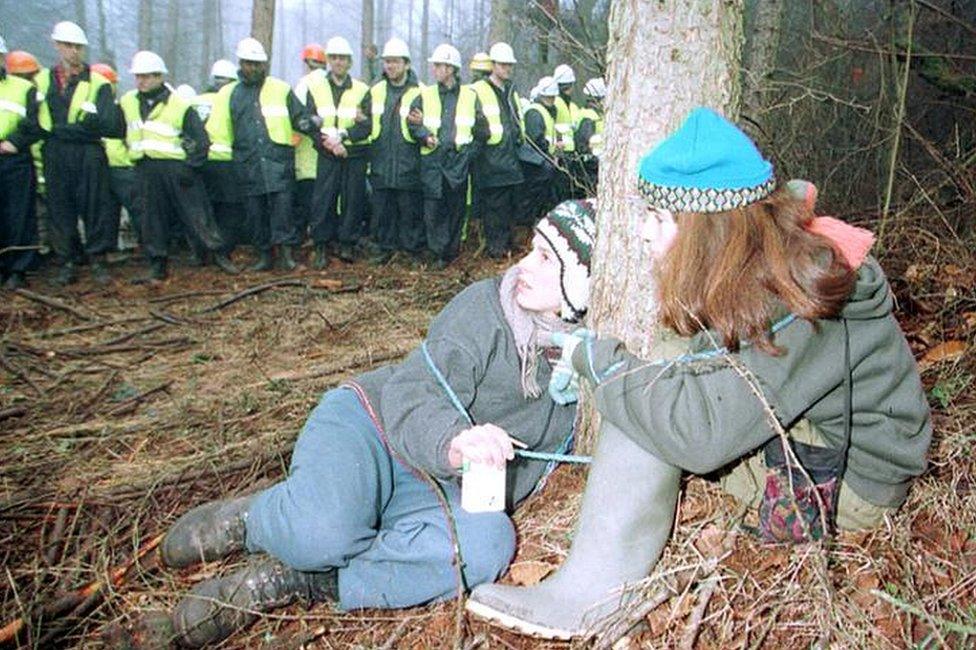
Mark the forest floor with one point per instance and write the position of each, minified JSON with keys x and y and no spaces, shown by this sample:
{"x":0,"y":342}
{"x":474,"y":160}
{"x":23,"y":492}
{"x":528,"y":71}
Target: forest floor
{"x":122,"y":407}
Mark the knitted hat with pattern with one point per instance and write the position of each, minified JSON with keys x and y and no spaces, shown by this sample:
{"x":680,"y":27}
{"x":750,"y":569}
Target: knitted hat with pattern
{"x":707,"y":165}
{"x":569,"y":229}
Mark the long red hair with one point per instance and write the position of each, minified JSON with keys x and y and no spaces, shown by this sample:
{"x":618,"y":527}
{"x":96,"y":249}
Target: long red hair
{"x":732,"y":271}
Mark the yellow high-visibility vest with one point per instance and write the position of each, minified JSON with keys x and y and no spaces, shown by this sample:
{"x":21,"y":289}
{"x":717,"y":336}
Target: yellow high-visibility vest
{"x":336,"y":118}
{"x":82,"y":100}
{"x":550,"y":125}
{"x":273,"y":99}
{"x":430,"y":98}
{"x":158,"y":136}
{"x":484,"y":92}
{"x":596,"y":140}
{"x":378,"y":95}
{"x":566,"y":114}
{"x":14,"y":92}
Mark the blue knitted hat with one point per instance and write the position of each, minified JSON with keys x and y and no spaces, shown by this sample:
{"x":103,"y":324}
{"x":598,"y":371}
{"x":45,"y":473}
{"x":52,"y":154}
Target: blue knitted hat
{"x":707,"y":165}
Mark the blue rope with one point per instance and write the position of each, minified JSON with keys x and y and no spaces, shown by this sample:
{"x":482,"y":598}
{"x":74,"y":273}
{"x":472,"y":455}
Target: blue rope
{"x":522,"y":453}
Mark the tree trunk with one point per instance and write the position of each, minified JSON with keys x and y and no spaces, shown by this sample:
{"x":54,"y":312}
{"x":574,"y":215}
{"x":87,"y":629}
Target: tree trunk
{"x":145,"y":24}
{"x":762,"y":27}
{"x":262,"y":22}
{"x":424,"y":36}
{"x":81,"y":14}
{"x":666,"y":57}
{"x":501,"y":22}
{"x":106,"y":53}
{"x":367,"y":36}
{"x":171,"y":54}
{"x":206,"y":49}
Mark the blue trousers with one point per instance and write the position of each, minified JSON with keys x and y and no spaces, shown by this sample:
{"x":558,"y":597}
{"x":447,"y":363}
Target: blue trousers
{"x":348,"y":504}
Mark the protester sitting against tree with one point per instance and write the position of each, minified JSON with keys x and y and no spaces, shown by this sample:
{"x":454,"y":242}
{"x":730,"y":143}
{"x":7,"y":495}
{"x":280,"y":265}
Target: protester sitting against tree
{"x":771,"y":322}
{"x":360,"y":519}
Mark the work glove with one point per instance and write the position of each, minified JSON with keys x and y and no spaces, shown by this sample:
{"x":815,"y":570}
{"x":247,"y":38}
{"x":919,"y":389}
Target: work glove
{"x":564,"y":383}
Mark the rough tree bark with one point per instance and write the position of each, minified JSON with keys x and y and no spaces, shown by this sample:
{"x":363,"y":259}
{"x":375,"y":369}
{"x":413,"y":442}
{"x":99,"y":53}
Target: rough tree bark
{"x":171,"y":53}
{"x":206,"y":49}
{"x":262,"y":22}
{"x":666,"y":57}
{"x":762,"y":28}
{"x":501,"y":22}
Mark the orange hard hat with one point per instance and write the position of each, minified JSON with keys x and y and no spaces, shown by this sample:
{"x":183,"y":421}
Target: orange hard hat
{"x":21,"y":62}
{"x":106,"y":71}
{"x":313,"y":52}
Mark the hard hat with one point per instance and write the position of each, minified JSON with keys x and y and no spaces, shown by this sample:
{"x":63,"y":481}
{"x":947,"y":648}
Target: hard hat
{"x":106,"y":71}
{"x":21,"y":62}
{"x":338,"y":46}
{"x":563,"y":74}
{"x":446,"y":53}
{"x":534,"y":93}
{"x":548,"y":87}
{"x":480,"y":61}
{"x":3,"y":46}
{"x":68,"y":32}
{"x":395,"y":47}
{"x":146,"y":62}
{"x":185,"y":91}
{"x":501,"y":53}
{"x":223,"y":69}
{"x":313,"y":52}
{"x":595,"y":87}
{"x":250,"y":49}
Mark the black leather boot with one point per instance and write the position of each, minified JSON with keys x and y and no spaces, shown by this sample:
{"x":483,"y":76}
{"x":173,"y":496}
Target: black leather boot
{"x":67,"y":274}
{"x":224,"y":263}
{"x":99,"y":270}
{"x":206,"y":533}
{"x":217,"y":608}
{"x":320,"y":258}
{"x":265,"y":261}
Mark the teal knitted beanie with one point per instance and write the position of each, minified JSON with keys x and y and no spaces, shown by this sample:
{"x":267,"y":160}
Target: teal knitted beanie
{"x":707,"y":165}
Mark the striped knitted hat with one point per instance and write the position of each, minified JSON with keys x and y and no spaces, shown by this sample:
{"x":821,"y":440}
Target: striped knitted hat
{"x":707,"y":165}
{"x":569,"y":229}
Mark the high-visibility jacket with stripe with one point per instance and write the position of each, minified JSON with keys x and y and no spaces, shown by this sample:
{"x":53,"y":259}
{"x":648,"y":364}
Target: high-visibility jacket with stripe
{"x":159,"y":136}
{"x":82,"y":99}
{"x":596,"y":140}
{"x":274,"y":108}
{"x":566,"y":121}
{"x":116,"y":152}
{"x":336,"y":118}
{"x":485,"y":93}
{"x":430,"y":103}
{"x":14,"y":92}
{"x":378,"y":95}
{"x":550,"y":123}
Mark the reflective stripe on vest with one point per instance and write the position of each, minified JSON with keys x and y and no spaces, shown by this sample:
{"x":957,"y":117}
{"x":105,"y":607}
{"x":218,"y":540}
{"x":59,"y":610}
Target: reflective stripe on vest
{"x":489,"y":107}
{"x":158,"y":137}
{"x":203,"y":104}
{"x":430,"y":104}
{"x":550,"y":125}
{"x":565,"y":123}
{"x":14,"y":92}
{"x":82,"y":100}
{"x":378,"y":94}
{"x":336,"y":118}
{"x":274,"y":109}
{"x":596,"y":140}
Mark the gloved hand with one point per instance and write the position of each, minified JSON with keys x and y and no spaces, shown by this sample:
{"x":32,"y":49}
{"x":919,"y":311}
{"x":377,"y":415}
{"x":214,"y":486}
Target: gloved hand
{"x":564,"y":383}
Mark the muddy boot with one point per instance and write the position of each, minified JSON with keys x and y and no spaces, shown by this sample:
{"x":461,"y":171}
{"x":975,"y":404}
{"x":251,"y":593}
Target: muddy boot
{"x":286,"y":258}
{"x":15,"y":281}
{"x":619,"y":538}
{"x":99,"y":270}
{"x":206,"y":533}
{"x":224,"y":263}
{"x":67,"y":274}
{"x":217,"y":608}
{"x":265,"y":261}
{"x":320,"y":258}
{"x":347,"y":253}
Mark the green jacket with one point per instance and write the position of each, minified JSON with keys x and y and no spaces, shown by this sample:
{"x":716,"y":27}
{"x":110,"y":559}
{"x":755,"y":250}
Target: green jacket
{"x":700,"y":414}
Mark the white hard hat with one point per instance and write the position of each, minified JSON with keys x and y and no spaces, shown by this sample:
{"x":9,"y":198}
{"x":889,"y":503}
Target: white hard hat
{"x":3,"y":46}
{"x":446,"y":53}
{"x":186,"y":92}
{"x":563,"y":74}
{"x":534,"y":93}
{"x":224,"y":69}
{"x":146,"y":62}
{"x":250,"y":49}
{"x":595,"y":87}
{"x":338,"y":46}
{"x":68,"y":32}
{"x":548,"y":87}
{"x":502,"y":53}
{"x":395,"y":47}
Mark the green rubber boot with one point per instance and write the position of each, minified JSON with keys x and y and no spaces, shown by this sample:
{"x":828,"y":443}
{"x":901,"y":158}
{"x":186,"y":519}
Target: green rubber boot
{"x":625,"y":521}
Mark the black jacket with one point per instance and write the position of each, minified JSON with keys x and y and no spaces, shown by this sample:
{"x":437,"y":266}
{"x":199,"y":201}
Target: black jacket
{"x":498,"y":165}
{"x":359,"y":131}
{"x":445,"y":162}
{"x":195,"y":140}
{"x":394,"y":162}
{"x":91,"y":128}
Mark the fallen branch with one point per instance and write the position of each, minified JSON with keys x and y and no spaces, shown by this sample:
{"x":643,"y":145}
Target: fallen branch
{"x":9,"y":366}
{"x":51,"y":302}
{"x":252,"y":291}
{"x":87,"y":595}
{"x":127,"y":405}
{"x":12,"y":412}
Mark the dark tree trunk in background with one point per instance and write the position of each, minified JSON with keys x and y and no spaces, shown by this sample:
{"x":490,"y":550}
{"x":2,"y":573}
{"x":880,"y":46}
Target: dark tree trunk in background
{"x":424,"y":37}
{"x":762,"y":27}
{"x":262,"y":22}
{"x":206,"y":50}
{"x":501,"y":22}
{"x":171,"y":53}
{"x":367,"y":35}
{"x":81,"y":14}
{"x":106,"y":52}
{"x":145,"y":24}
